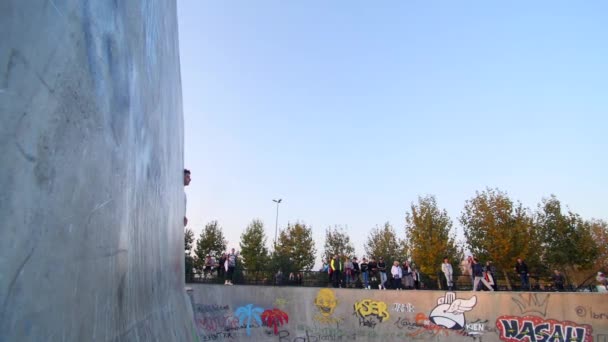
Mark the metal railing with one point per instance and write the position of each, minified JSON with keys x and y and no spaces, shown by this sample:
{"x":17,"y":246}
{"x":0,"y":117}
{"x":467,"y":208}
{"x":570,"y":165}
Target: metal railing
{"x":260,"y":277}
{"x":322,"y":279}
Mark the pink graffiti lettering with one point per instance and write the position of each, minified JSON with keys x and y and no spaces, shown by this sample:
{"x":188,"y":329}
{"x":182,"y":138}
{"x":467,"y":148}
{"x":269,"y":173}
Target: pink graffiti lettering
{"x":217,"y":323}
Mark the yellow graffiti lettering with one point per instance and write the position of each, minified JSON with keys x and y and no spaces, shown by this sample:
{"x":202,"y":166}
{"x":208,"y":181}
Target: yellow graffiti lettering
{"x":368,"y":307}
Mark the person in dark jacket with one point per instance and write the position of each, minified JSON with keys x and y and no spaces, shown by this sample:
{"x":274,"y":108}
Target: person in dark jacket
{"x":356,"y":271}
{"x":337,"y":267}
{"x":221,"y":270}
{"x":522,"y":270}
{"x":478,"y":275}
{"x":365,"y":273}
{"x":372,"y":268}
{"x":558,"y":280}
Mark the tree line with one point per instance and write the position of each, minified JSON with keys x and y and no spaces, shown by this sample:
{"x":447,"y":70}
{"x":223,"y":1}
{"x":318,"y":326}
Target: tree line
{"x":295,"y":249}
{"x":496,"y":228}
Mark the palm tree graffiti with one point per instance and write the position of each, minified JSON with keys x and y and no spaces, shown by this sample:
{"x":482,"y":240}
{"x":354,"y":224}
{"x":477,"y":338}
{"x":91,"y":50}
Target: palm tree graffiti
{"x":275,"y":318}
{"x":247,"y":312}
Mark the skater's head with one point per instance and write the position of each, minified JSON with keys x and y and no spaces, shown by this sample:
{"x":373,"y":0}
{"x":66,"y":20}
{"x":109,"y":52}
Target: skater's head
{"x":187,"y":178}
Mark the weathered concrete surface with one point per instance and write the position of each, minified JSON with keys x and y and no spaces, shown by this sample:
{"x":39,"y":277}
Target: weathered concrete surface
{"x":91,"y":149}
{"x":250,"y":313}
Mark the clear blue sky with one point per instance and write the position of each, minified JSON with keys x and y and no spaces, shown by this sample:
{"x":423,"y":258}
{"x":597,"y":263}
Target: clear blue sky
{"x":348,"y":110}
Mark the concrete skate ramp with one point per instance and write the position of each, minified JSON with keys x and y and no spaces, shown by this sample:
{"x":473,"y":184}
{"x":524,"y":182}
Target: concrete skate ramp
{"x":291,"y":314}
{"x":91,"y":155}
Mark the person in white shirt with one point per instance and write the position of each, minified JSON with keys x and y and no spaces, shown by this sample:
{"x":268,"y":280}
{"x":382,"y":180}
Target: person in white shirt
{"x":602,"y":282}
{"x":397,"y":273}
{"x":447,"y":270}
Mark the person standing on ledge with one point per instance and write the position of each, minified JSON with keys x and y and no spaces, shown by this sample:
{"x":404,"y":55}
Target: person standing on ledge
{"x":372,"y":268}
{"x":479,"y":276}
{"x":365,"y":273}
{"x":383,"y":278}
{"x":187,"y":180}
{"x":522,"y":270}
{"x":448,"y":272}
{"x":230,"y":266}
{"x":601,"y":279}
{"x":558,"y":280}
{"x":336,"y":271}
{"x":397,"y":273}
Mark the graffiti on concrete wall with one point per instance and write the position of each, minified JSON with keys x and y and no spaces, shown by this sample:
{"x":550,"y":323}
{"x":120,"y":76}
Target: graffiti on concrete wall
{"x":400,"y":307}
{"x":440,"y":316}
{"x":445,"y":319}
{"x":213,"y":319}
{"x":280,"y":302}
{"x":477,"y":327}
{"x":421,"y":327}
{"x":248,"y":312}
{"x":588,"y":312}
{"x":537,"y":329}
{"x":449,"y":312}
{"x":326,"y":303}
{"x":530,"y":303}
{"x":305,"y":333}
{"x":371,"y":312}
{"x":530,"y":327}
{"x":219,"y":322}
{"x":275,"y":318}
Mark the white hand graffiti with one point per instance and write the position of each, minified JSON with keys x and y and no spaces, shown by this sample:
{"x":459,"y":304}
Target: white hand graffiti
{"x":462,"y":305}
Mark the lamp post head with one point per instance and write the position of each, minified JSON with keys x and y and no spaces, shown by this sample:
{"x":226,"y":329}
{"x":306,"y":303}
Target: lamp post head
{"x":277,"y":201}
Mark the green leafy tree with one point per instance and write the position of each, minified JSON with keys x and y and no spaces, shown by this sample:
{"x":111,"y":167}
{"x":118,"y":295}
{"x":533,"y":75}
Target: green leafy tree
{"x":497,"y":229}
{"x":382,"y":242}
{"x":189,"y":260}
{"x":281,"y":261}
{"x":337,"y":241}
{"x":428,"y":231}
{"x":566,"y":240}
{"x":254,"y":253}
{"x":295,"y":247}
{"x":210,"y":242}
{"x":188,"y":240}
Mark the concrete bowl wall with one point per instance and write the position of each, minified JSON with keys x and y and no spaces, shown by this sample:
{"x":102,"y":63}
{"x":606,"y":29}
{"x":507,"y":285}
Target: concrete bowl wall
{"x":91,"y":149}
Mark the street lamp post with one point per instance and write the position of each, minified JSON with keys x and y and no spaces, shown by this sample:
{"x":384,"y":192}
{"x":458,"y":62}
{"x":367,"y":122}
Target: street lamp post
{"x":276,"y":226}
